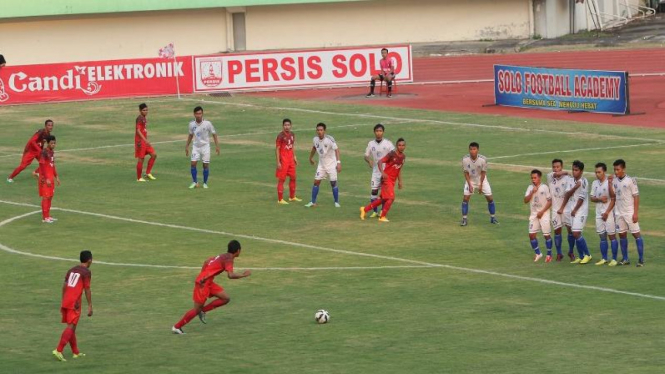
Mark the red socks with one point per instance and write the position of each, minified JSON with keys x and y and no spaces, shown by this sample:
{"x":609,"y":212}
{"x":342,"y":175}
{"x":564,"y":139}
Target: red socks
{"x":280,"y":189}
{"x":150,"y":163}
{"x":386,"y":207}
{"x":139,"y":169}
{"x":373,"y":205}
{"x":45,"y":208}
{"x":292,"y":188}
{"x":214,"y":305}
{"x":73,"y":344}
{"x":65,"y":338}
{"x":186,"y":318}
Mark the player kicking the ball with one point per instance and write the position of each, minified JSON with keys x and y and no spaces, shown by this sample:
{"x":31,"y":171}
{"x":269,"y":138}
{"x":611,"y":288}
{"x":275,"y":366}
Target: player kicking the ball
{"x":77,"y":280}
{"x":329,"y":163}
{"x":540,"y":200}
{"x":205,"y":287}
{"x":375,"y":151}
{"x":474,"y":167}
{"x":391,"y":171}
{"x":201,"y":129}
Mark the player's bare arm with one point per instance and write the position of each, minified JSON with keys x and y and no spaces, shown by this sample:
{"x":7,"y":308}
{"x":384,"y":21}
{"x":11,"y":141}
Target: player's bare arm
{"x":311,"y":155}
{"x":545,"y":209}
{"x":143,"y":138}
{"x":339,"y":161}
{"x":244,"y":274}
{"x":613,"y":200}
{"x":189,"y":141}
{"x":577,"y":206}
{"x":528,"y":197}
{"x":636,"y":207}
{"x":295,"y":159}
{"x":216,"y":139}
{"x":399,"y":180}
{"x":567,"y":197}
{"x":279,"y":164}
{"x":88,"y":297}
{"x":369,"y":161}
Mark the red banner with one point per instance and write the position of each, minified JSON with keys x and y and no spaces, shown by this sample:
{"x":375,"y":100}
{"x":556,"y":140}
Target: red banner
{"x":94,"y":80}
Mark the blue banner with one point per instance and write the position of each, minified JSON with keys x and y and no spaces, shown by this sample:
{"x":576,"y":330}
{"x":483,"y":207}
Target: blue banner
{"x":561,"y":89}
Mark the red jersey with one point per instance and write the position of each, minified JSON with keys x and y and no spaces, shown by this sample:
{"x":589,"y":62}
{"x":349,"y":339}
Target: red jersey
{"x":141,"y":126}
{"x":76,"y":280}
{"x":216,"y":265}
{"x":47,"y":164}
{"x":393,"y":164}
{"x":285,"y":144}
{"x":387,"y":65}
{"x":36,"y":141}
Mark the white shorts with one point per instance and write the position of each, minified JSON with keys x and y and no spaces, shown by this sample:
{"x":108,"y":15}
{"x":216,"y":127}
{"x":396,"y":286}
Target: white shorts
{"x":578,"y":223}
{"x":201,"y":153}
{"x":567,"y":217}
{"x":326,"y":173}
{"x":557,"y":220}
{"x":624,"y":223}
{"x":375,"y":183}
{"x":542,"y":224}
{"x":608,"y":227}
{"x":487,"y":190}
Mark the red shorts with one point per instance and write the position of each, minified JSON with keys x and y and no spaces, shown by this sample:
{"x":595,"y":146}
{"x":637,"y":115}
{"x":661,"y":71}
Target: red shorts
{"x":70,"y":316}
{"x":140,"y":150}
{"x":287,"y":170}
{"x":388,"y":189}
{"x":44,"y":190}
{"x":202,"y":293}
{"x":28,"y":157}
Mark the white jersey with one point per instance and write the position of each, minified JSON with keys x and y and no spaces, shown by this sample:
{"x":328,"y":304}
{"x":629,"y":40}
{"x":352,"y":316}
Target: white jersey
{"x":540,"y":199}
{"x":474,"y":167}
{"x":202,"y":132}
{"x":625,"y":190}
{"x":581,"y":193}
{"x":378,"y":150}
{"x":326,"y":149}
{"x":558,"y":188}
{"x":599,"y":190}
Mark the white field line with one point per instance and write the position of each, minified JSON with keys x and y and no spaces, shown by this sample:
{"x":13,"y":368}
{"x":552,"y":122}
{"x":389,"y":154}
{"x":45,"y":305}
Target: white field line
{"x":415,"y":262}
{"x":574,"y":150}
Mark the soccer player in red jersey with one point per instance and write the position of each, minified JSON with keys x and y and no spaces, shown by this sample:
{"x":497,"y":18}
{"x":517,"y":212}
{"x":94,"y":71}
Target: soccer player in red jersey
{"x":205,"y":287}
{"x":47,"y":178}
{"x":386,"y":74}
{"x":33,"y":149}
{"x":286,"y":162}
{"x":77,"y":280}
{"x":391,"y":166}
{"x":143,"y":146}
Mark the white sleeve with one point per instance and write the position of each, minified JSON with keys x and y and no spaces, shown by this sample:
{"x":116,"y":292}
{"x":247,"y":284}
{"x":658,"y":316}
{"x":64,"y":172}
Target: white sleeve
{"x":528,"y":190}
{"x":191,"y":129}
{"x":633,"y":187}
{"x":368,"y":149}
{"x":334,"y":145}
{"x":548,"y":196}
{"x":484,"y":168}
{"x":212,"y":128}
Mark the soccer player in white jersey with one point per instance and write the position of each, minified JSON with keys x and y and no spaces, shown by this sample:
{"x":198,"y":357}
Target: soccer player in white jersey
{"x":329,"y":163}
{"x":559,"y":181}
{"x":625,"y":211}
{"x":474,"y":167}
{"x":602,"y":194}
{"x":375,"y":151}
{"x":200,"y":130}
{"x":577,"y":201}
{"x":540,"y":200}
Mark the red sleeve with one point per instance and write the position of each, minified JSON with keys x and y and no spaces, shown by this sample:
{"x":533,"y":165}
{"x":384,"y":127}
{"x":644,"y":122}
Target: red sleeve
{"x":228,"y":267}
{"x":86,"y":281}
{"x":278,"y":141}
{"x":43,"y":161}
{"x":36,"y":141}
{"x":388,"y":157}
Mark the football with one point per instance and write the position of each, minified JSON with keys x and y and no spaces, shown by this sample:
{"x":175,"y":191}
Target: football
{"x":322,"y":316}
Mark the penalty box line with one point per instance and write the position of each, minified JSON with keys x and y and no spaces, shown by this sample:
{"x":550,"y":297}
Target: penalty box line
{"x":362,"y":254}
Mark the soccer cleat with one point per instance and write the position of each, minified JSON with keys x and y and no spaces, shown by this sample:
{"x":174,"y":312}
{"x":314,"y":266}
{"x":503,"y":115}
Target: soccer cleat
{"x":548,"y":259}
{"x":374,"y":215}
{"x":151,"y":177}
{"x":177,"y":331}
{"x":282,"y":202}
{"x":78,"y":355}
{"x":205,"y":185}
{"x":576,"y":261}
{"x":310,"y":205}
{"x":601,"y":262}
{"x":58,"y":355}
{"x":53,"y":219}
{"x":640,"y":264}
{"x":383,"y":219}
{"x":624,"y":262}
{"x":494,"y":221}
{"x":202,"y":317}
{"x":140,"y":180}
{"x":370,"y":95}
{"x":613,"y":263}
{"x":48,"y":220}
{"x":337,"y":205}
{"x":464,"y":222}
{"x":9,"y":180}
{"x":389,"y":95}
{"x":362,"y":213}
{"x":295,"y":198}
{"x":559,"y":257}
{"x":537,"y":257}
{"x":193,"y":185}
{"x":585,"y":260}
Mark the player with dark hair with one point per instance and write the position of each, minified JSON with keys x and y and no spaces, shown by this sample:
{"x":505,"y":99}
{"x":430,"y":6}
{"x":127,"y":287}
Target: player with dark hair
{"x":538,"y":197}
{"x":201,"y":129}
{"x":626,"y":209}
{"x":205,"y":287}
{"x":474,"y":167}
{"x":576,"y":200}
{"x":386,"y":74}
{"x":33,"y":149}
{"x":391,"y":171}
{"x":286,"y":162}
{"x":559,"y":182}
{"x":376,"y":149}
{"x":142,"y":146}
{"x":329,"y":163}
{"x":603,"y":195}
{"x":47,"y":178}
{"x":77,"y":280}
